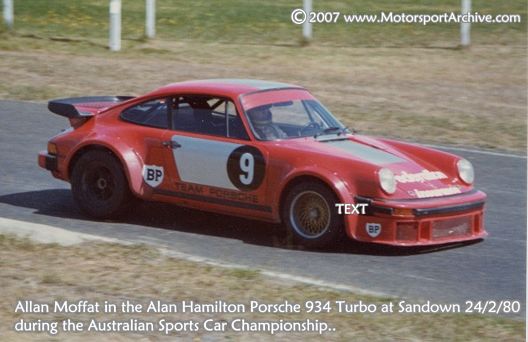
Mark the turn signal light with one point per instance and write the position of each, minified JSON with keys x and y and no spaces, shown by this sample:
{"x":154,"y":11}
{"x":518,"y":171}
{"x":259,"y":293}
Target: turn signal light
{"x":402,"y":212}
{"x":52,"y":148}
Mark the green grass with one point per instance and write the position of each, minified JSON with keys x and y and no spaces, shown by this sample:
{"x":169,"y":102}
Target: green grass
{"x":265,"y":22}
{"x":244,"y":273}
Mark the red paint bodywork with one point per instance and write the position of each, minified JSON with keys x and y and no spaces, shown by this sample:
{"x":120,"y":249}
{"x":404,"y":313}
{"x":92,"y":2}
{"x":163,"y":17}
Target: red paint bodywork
{"x":352,"y":179}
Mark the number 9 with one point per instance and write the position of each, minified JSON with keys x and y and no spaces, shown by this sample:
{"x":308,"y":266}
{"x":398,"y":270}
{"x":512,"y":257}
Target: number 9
{"x":247,"y":166}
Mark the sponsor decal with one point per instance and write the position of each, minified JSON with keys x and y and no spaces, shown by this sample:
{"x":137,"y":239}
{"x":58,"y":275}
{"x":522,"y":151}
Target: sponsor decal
{"x":420,"y":177}
{"x":233,"y":195}
{"x":190,"y":188}
{"x":351,"y":209}
{"x":373,"y":229}
{"x":196,"y":189}
{"x":153,"y":175}
{"x":452,"y":190}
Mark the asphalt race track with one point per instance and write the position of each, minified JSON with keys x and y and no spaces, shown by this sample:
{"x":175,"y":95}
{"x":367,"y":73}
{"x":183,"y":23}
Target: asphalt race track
{"x":490,"y":270}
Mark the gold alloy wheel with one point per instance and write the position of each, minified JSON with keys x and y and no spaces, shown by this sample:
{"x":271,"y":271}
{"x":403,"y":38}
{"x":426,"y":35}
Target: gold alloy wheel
{"x":310,"y":214}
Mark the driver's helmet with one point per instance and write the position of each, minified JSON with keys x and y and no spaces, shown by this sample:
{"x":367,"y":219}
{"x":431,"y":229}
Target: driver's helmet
{"x":260,"y":116}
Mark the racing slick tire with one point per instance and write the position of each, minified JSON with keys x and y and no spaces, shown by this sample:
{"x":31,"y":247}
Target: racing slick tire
{"x":310,"y":217}
{"x":99,"y":185}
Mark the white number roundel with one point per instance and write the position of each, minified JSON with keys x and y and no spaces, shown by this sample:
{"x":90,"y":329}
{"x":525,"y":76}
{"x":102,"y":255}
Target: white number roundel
{"x":246,"y":167}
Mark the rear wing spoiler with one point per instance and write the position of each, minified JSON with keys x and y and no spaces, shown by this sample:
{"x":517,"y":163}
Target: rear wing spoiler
{"x":72,"y":107}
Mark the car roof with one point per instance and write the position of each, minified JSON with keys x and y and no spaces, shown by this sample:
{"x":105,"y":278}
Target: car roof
{"x":226,"y":86}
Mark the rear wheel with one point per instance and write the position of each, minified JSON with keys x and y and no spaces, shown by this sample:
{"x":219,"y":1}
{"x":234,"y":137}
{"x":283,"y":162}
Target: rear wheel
{"x":309,"y":215}
{"x":99,"y":185}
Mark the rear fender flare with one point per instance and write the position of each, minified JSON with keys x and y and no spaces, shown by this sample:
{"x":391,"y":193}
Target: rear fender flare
{"x":131,"y":162}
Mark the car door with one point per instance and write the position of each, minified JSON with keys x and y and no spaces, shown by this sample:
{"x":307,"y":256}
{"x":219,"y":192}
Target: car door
{"x":215,"y":163}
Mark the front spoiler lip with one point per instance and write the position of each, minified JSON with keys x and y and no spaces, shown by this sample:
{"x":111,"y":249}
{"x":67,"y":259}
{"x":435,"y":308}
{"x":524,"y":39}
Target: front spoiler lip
{"x":425,"y":243}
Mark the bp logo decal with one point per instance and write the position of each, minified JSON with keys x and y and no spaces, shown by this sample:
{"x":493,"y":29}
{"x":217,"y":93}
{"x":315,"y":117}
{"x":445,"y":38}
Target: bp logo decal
{"x":153,"y":175}
{"x":373,"y":229}
{"x":246,"y":167}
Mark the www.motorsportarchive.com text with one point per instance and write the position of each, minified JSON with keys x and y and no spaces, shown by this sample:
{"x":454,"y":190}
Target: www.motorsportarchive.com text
{"x":300,"y":16}
{"x":173,"y":315}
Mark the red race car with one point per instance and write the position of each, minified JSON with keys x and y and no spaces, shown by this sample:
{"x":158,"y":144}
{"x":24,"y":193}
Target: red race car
{"x":261,"y":150}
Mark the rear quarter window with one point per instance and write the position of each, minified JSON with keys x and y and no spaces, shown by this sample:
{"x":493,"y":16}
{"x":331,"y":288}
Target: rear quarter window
{"x":151,"y":113}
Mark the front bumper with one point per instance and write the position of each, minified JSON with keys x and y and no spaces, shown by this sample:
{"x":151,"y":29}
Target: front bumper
{"x":422,"y":222}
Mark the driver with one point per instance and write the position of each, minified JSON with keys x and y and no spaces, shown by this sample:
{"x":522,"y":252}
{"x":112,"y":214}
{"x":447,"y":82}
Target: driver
{"x":263,"y":124}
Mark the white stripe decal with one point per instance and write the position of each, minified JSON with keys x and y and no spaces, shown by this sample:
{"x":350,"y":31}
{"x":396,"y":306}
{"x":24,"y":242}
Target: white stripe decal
{"x":365,"y":152}
{"x":203,"y":161}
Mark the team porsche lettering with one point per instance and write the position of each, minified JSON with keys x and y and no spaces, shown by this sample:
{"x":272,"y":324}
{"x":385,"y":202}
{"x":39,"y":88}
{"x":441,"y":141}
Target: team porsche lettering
{"x":373,"y":229}
{"x":233,"y":195}
{"x":153,"y":175}
{"x":189,"y":188}
{"x":195,"y":189}
{"x":420,"y":177}
{"x":437,"y":192}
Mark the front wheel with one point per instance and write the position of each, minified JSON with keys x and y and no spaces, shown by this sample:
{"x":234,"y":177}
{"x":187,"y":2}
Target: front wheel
{"x":309,"y":215}
{"x":99,"y":185}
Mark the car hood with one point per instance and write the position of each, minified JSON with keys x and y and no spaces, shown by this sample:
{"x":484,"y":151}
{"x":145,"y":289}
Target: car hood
{"x":415,"y":177}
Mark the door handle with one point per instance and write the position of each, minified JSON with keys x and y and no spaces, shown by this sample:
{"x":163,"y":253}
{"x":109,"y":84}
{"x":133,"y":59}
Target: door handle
{"x":171,"y":144}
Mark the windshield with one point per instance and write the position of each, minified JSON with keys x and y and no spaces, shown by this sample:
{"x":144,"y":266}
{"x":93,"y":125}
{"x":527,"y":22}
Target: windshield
{"x":293,"y":119}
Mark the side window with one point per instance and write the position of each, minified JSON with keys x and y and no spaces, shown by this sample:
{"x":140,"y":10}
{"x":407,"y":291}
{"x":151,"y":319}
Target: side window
{"x":207,"y":115}
{"x":152,"y":113}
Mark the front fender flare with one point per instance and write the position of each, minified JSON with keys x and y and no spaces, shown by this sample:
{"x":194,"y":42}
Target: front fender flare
{"x":343,"y":190}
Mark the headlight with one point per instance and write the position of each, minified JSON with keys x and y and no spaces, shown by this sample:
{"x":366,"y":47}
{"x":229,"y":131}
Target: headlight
{"x":465,"y":171}
{"x":387,"y":180}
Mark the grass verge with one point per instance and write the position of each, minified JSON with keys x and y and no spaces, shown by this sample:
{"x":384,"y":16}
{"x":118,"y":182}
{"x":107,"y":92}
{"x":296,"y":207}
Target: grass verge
{"x":102,"y":271}
{"x":268,"y":22}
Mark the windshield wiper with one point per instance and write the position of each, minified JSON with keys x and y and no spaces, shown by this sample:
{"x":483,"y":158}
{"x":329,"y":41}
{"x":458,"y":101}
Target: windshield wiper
{"x":331,"y":130}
